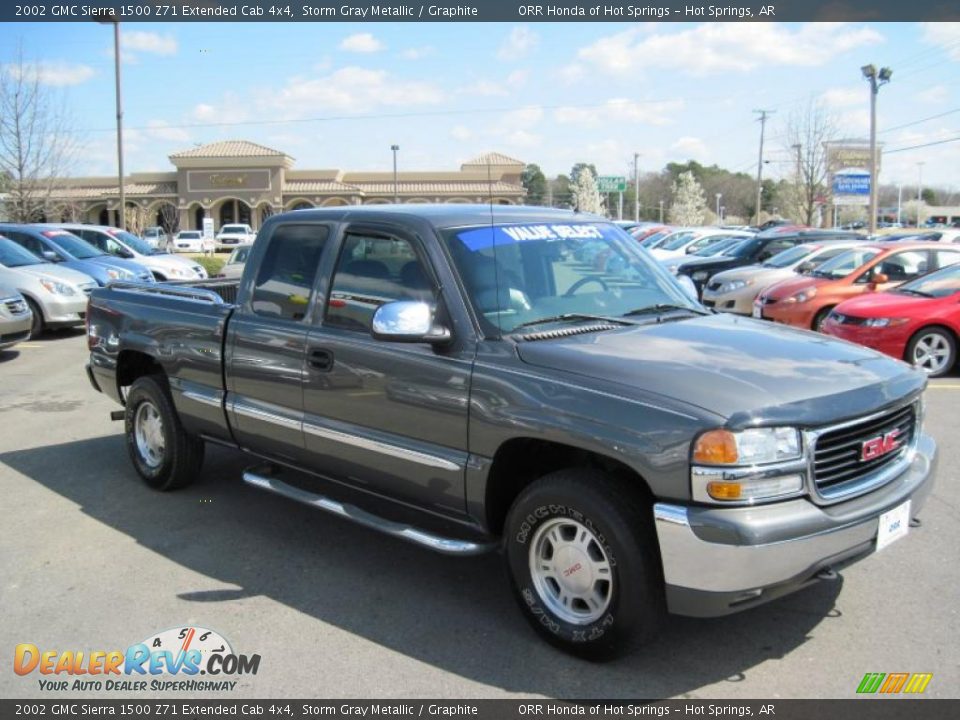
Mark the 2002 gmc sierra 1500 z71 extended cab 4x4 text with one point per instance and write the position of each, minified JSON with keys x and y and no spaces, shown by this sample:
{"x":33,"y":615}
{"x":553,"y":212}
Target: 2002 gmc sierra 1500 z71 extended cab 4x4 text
{"x":454,"y":376}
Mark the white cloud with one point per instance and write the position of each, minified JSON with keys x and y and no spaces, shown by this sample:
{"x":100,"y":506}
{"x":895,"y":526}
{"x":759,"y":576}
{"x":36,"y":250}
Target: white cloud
{"x":417,"y":53}
{"x":58,"y":74}
{"x":691,"y":148}
{"x":843,"y":97}
{"x":204,"y":112}
{"x":619,"y":110}
{"x":855,"y":123}
{"x":161,"y":130}
{"x":523,"y":139}
{"x":484,"y":88}
{"x":148,"y":42}
{"x":352,"y":90}
{"x":944,"y":34}
{"x":361,"y":43}
{"x":572,"y":73}
{"x":518,"y":78}
{"x":933,"y":95}
{"x":720,"y":47}
{"x":461,"y":133}
{"x":518,"y":43}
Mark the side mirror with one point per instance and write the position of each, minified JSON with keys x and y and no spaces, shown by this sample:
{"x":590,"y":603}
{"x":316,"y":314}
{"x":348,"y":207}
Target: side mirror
{"x":877,"y":279}
{"x":51,"y":256}
{"x":124,"y":253}
{"x":407,"y":321}
{"x":805,"y":267}
{"x":689,"y":287}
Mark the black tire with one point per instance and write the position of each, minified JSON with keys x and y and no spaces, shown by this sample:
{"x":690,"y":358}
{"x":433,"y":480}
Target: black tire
{"x":818,"y":319}
{"x":180,"y":457}
{"x":37,"y":327}
{"x":631,"y":607}
{"x":943,"y":338}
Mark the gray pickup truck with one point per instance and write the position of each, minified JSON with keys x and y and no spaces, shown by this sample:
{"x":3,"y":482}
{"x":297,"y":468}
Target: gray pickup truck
{"x":473,"y":378}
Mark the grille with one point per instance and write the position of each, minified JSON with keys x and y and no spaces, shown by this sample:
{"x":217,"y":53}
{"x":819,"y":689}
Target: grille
{"x":16,"y":306}
{"x":847,"y":319}
{"x":708,"y":303}
{"x":714,"y":286}
{"x":767,"y":300}
{"x":838,"y":461}
{"x":88,"y":288}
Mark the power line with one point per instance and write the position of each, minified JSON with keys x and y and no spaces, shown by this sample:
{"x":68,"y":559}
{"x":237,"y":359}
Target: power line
{"x":921,"y":120}
{"x":923,"y":145}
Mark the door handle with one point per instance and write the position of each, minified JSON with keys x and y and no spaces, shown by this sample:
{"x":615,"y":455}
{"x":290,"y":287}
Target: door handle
{"x":321,"y":360}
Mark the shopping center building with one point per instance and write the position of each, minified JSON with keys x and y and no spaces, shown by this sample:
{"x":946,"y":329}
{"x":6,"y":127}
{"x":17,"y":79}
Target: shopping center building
{"x":239,"y":181}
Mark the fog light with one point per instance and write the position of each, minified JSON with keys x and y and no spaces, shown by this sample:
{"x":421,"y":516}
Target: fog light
{"x":753,"y":489}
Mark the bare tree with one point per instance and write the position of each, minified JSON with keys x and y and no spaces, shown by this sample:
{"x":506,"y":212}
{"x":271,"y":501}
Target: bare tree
{"x":807,"y":129}
{"x":36,"y":148}
{"x":136,"y":218}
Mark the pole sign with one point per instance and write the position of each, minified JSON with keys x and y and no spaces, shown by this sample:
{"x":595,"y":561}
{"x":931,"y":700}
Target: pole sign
{"x":611,"y":183}
{"x":853,"y":183}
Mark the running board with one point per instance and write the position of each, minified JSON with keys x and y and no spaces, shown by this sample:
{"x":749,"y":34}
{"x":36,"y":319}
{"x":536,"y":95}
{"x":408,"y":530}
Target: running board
{"x":447,"y":546}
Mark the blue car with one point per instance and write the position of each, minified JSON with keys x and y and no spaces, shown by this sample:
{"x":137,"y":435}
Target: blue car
{"x":60,"y":246}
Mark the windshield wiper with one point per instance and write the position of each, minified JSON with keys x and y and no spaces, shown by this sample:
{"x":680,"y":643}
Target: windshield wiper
{"x":661,"y":308}
{"x":571,"y":316}
{"x":911,"y":291}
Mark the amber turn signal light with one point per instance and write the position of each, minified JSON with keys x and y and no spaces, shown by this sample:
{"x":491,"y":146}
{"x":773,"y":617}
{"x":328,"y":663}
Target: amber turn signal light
{"x":716,"y":447}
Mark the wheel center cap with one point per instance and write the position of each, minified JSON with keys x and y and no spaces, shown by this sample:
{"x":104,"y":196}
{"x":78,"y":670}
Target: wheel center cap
{"x":574,"y":570}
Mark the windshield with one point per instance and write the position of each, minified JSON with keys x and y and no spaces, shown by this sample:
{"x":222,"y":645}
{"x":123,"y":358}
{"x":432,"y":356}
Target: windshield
{"x":238,"y":256}
{"x":938,"y":284}
{"x":677,"y":241}
{"x":745,"y":249}
{"x":845,"y":263}
{"x":721,"y":247}
{"x":516,"y":274}
{"x":12,"y":255}
{"x":789,"y":257}
{"x":188,"y":235}
{"x":72,"y":245}
{"x":233,"y":229}
{"x":654,"y":240}
{"x":135,"y":243}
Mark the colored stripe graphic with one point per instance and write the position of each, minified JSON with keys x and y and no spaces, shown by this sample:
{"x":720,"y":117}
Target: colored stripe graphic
{"x":894,"y":682}
{"x":870,"y":683}
{"x":918,"y":682}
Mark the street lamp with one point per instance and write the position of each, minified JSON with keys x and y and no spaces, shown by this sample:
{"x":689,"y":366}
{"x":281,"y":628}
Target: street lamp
{"x":919,"y":190}
{"x":876,"y":79}
{"x":719,"y":195}
{"x":661,"y":212}
{"x":722,"y":209}
{"x":396,"y":191}
{"x":115,"y":21}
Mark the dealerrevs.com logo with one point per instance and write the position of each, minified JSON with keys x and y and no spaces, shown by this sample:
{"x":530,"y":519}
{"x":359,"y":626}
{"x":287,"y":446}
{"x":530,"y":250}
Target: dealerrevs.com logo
{"x":172,"y":660}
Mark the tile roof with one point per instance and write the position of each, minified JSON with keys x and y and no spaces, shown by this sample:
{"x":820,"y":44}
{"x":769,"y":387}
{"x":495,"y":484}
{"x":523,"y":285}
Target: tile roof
{"x":428,"y":188}
{"x":110,"y":191}
{"x":229,"y":148}
{"x":317,"y":186}
{"x":494,"y":158}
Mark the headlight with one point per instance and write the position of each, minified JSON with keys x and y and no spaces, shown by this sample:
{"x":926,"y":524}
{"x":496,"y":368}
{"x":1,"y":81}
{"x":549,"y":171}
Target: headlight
{"x":700,"y":275}
{"x":178,"y":272}
{"x":57,"y":288}
{"x":115,"y":274}
{"x":803,"y":295}
{"x":734,"y":285}
{"x":747,"y":447}
{"x":884,"y":322}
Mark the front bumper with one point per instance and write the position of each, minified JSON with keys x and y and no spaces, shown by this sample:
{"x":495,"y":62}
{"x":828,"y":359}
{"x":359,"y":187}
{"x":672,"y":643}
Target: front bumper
{"x":738,"y":301}
{"x":718,"y":561}
{"x":64,"y":310}
{"x":798,"y":315}
{"x":889,"y":341}
{"x":14,"y":329}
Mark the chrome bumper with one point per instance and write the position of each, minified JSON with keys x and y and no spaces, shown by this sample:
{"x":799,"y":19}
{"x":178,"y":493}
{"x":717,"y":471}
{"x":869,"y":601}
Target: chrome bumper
{"x":720,"y":560}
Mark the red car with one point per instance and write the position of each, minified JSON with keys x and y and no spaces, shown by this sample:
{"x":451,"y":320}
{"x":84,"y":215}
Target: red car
{"x":918,"y":321}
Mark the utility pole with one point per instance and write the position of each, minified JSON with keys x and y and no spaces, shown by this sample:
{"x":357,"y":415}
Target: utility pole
{"x":396,"y":188}
{"x":636,"y":187}
{"x":763,"y":124}
{"x":919,"y":189}
{"x":876,"y":79}
{"x":661,"y":212}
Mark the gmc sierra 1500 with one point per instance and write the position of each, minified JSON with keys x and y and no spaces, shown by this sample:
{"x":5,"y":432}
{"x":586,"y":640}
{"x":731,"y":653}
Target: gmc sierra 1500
{"x":463,"y":377}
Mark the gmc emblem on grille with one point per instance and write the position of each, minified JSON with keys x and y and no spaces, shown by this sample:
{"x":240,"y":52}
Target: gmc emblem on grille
{"x":879,"y":445}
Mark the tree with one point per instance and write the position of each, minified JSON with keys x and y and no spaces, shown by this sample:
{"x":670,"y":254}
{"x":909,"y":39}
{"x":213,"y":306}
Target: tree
{"x":35,"y":147}
{"x":807,"y":130}
{"x":580,"y":167}
{"x":929,"y":196}
{"x":586,"y":197}
{"x":136,"y":219}
{"x":560,"y":195}
{"x":535,"y":183}
{"x":689,"y":202}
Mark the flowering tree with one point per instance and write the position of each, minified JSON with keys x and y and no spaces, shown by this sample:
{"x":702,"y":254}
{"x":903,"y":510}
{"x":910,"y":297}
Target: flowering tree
{"x":689,"y":202}
{"x":586,"y":196}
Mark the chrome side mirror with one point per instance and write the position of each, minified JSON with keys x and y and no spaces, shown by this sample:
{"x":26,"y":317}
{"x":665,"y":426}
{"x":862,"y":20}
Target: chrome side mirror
{"x":407,"y":321}
{"x":689,"y":287}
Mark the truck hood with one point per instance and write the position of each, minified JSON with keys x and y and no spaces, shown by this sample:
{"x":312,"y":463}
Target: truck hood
{"x":744,"y":370}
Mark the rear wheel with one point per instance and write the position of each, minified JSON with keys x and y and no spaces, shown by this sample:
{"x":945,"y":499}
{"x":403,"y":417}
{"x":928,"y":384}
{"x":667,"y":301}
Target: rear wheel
{"x":37,"y":326}
{"x":163,"y":453}
{"x":933,"y":350}
{"x":581,"y":553}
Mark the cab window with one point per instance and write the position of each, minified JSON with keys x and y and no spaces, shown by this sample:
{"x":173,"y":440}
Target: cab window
{"x":284,"y":284}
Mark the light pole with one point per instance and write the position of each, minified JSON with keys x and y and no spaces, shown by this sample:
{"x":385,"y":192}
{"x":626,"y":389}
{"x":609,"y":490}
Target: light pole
{"x":661,"y":212}
{"x":763,"y":124}
{"x":919,"y":189}
{"x":396,"y":189}
{"x":722,"y":209}
{"x":899,"y":204}
{"x":115,"y":21}
{"x":876,"y":79}
{"x":636,"y":187}
{"x":719,"y":219}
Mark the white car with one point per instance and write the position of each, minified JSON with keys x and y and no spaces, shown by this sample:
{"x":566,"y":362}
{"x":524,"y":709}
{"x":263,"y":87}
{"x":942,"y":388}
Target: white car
{"x":235,"y":234}
{"x":690,"y":241}
{"x":191,"y":241}
{"x":156,"y":237}
{"x":121,"y":243}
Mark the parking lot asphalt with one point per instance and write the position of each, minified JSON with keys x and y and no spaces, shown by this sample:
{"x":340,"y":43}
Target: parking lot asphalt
{"x":93,"y":560}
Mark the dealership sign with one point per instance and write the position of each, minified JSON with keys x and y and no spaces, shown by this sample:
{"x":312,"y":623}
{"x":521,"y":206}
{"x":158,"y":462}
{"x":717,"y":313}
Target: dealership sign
{"x":851,"y":184}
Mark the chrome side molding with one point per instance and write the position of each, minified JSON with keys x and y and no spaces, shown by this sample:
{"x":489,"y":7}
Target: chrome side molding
{"x":444,"y":545}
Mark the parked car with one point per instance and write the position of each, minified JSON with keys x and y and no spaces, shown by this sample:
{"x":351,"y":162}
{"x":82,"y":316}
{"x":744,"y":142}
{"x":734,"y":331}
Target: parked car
{"x":655,"y":238}
{"x":156,"y":237}
{"x":234,"y":234}
{"x":918,"y":321}
{"x":123,"y":244}
{"x":190,"y":241}
{"x":758,"y":249}
{"x":690,"y":241}
{"x":627,"y":451}
{"x":16,"y":318}
{"x":233,"y":268}
{"x":735,"y":290}
{"x":55,"y":294}
{"x":721,"y":247}
{"x":806,"y":301}
{"x":60,"y":246}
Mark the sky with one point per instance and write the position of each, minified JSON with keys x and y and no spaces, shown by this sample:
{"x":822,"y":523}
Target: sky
{"x":338,"y":95}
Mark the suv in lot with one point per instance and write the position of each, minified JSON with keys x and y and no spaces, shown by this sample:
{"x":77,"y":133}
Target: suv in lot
{"x":234,"y":234}
{"x":458,"y":377}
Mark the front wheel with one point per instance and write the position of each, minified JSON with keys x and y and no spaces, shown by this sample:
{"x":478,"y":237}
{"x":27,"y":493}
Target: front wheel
{"x":581,"y":553}
{"x":933,"y":350}
{"x":820,"y":318}
{"x":163,"y":453}
{"x":36,"y":326}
